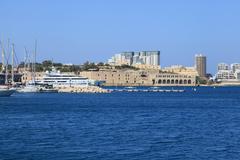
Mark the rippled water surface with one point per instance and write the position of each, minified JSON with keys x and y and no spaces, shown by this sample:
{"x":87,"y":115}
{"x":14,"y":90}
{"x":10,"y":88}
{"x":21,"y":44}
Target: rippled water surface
{"x":192,"y":125}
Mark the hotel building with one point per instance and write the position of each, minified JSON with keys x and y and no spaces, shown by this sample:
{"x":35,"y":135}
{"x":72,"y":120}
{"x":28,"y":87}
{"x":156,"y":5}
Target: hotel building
{"x":201,"y":65}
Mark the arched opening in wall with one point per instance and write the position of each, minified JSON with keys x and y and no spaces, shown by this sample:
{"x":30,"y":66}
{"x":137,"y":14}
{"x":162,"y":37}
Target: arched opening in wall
{"x":180,"y":82}
{"x":164,"y":81}
{"x":159,"y":81}
{"x":185,"y":81}
{"x":168,"y":81}
{"x":172,"y":81}
{"x":153,"y":81}
{"x":176,"y":81}
{"x":189,"y":81}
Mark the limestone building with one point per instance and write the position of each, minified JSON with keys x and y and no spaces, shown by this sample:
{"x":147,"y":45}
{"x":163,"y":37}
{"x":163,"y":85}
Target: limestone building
{"x":140,"y":78}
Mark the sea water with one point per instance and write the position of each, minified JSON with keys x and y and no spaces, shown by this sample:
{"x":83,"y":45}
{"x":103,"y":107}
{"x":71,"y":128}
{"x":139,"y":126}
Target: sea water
{"x":201,"y":123}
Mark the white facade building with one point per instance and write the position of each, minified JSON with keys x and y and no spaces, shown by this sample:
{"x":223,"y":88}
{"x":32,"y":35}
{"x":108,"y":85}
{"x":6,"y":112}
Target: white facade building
{"x":226,"y":73}
{"x":222,"y":66}
{"x":237,"y":74}
{"x":235,"y":67}
{"x":150,"y":58}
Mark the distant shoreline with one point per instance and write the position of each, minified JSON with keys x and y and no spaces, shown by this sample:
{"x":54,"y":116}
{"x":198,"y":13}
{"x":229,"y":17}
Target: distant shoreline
{"x":225,"y":84}
{"x":202,"y":85}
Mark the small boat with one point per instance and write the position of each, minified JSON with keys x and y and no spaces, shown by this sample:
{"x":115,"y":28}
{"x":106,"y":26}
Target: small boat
{"x":29,"y":88}
{"x":6,"y":92}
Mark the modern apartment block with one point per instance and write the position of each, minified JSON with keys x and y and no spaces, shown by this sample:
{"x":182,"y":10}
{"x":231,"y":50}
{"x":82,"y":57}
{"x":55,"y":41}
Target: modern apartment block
{"x":201,"y":65}
{"x":150,"y":58}
{"x":226,"y":73}
{"x":235,"y":67}
{"x":223,"y":66}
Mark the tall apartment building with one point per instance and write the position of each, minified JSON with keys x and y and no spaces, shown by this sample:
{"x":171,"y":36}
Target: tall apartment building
{"x":201,"y":65}
{"x":222,"y":66}
{"x":235,"y":67}
{"x":150,"y":58}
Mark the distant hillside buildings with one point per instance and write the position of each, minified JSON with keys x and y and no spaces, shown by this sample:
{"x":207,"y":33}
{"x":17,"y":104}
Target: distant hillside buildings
{"x":141,"y":69}
{"x":148,"y":72}
{"x":147,"y":58}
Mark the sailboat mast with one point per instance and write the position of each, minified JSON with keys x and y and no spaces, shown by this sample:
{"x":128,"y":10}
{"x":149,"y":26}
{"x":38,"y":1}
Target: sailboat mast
{"x":25,"y":60}
{"x":12,"y":63}
{"x":6,"y":65}
{"x":3,"y":57}
{"x":34,"y":68}
{"x":35,"y":57}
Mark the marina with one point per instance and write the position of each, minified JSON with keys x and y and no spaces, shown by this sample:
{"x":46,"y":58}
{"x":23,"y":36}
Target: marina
{"x":119,"y":80}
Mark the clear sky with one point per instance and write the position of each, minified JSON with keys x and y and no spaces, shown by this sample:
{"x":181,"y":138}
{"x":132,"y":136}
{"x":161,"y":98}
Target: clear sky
{"x":79,"y":30}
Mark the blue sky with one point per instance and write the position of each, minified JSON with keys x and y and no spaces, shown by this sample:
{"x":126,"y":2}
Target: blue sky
{"x":79,"y":30}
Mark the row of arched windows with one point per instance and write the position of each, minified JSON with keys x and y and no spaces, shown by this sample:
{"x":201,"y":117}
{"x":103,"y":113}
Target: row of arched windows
{"x":173,"y":81}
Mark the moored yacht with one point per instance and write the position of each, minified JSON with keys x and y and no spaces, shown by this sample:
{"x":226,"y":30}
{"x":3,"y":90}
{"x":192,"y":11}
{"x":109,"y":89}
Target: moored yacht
{"x":57,"y":79}
{"x":31,"y":86}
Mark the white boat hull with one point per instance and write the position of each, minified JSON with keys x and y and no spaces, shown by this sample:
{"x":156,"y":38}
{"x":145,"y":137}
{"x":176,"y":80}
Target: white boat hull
{"x":29,"y":89}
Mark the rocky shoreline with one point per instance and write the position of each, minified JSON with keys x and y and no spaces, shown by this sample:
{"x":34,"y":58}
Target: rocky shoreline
{"x":82,"y":89}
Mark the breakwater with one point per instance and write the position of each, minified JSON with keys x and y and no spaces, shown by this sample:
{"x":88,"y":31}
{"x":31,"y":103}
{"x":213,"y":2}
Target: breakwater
{"x":82,"y":89}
